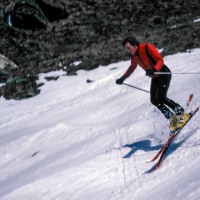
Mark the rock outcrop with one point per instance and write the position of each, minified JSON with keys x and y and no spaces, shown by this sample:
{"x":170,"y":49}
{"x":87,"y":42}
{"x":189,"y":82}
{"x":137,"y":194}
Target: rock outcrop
{"x":90,"y":32}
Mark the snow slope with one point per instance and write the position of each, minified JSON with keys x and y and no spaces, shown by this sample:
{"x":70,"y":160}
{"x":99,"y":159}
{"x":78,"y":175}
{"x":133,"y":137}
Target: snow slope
{"x":80,"y":141}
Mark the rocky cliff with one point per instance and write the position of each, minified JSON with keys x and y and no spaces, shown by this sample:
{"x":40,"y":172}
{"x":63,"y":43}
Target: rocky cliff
{"x":88,"y":31}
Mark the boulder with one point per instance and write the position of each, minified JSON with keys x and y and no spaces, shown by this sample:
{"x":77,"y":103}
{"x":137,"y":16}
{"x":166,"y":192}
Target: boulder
{"x":90,"y":31}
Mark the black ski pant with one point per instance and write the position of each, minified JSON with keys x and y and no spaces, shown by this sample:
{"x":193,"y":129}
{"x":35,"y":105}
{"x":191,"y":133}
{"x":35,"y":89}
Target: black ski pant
{"x":158,"y":94}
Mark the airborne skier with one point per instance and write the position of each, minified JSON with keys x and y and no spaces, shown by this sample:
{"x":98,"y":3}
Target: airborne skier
{"x":148,"y":58}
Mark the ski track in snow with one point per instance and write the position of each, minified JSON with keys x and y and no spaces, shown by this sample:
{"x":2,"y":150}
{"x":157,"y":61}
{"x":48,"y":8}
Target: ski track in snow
{"x":79,"y":140}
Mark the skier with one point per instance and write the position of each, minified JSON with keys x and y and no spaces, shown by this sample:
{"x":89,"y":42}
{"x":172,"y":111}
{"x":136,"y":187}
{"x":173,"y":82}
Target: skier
{"x":148,"y":58}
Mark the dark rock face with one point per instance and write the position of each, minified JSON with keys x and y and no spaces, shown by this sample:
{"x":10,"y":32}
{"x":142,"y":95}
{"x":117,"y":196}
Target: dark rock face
{"x":91,"y":32}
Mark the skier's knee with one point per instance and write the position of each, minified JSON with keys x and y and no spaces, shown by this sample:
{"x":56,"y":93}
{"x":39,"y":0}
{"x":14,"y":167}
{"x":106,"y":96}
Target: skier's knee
{"x":154,"y":101}
{"x":157,"y":101}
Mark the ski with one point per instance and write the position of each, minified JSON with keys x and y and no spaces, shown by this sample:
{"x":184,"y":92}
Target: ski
{"x":171,"y":137}
{"x":189,"y":101}
{"x":163,"y":153}
{"x":162,"y":149}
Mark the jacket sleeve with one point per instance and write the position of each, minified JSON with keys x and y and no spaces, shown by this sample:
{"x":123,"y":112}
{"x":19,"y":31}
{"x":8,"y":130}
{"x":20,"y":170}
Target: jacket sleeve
{"x":156,"y":57}
{"x":130,"y":70}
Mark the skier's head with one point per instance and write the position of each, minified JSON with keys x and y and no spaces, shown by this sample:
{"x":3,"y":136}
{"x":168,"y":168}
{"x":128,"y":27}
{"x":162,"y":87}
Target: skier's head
{"x":132,"y":40}
{"x":130,"y":45}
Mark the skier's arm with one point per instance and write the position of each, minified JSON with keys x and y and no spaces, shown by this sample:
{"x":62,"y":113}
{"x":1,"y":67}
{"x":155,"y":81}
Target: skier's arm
{"x":156,"y":57}
{"x":130,"y":70}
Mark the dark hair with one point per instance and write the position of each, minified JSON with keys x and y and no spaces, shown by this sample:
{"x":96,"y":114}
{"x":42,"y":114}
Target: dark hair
{"x":132,"y":40}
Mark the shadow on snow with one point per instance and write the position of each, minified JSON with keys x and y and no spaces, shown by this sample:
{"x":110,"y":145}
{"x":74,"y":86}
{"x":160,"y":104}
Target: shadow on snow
{"x":172,"y":148}
{"x":144,"y":145}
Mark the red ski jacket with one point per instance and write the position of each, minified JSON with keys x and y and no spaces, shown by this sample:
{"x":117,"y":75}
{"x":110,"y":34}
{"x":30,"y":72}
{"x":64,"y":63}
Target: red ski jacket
{"x":147,"y":57}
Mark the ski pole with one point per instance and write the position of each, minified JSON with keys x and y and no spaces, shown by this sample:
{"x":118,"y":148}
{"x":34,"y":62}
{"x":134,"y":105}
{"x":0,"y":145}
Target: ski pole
{"x":136,"y":87}
{"x":174,"y":73}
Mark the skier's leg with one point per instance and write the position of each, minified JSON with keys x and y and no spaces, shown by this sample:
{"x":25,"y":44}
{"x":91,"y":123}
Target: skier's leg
{"x":155,"y":100}
{"x":163,"y":82}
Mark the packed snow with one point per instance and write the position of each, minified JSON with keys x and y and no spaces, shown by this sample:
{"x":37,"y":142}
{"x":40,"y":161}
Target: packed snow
{"x":84,"y":137}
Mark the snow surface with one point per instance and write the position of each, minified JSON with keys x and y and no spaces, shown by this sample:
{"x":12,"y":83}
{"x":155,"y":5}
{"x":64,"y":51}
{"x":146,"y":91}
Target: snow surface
{"x":197,"y":20}
{"x":81,"y":141}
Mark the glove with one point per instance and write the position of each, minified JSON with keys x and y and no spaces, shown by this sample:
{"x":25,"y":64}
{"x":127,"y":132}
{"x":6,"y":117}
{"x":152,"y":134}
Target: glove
{"x":150,"y":72}
{"x":120,"y":80}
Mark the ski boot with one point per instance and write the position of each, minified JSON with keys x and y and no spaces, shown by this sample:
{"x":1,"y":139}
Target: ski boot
{"x":182,"y":120}
{"x":173,"y":124}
